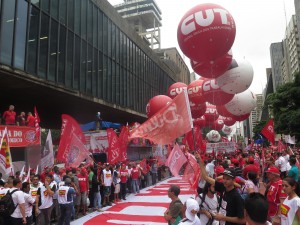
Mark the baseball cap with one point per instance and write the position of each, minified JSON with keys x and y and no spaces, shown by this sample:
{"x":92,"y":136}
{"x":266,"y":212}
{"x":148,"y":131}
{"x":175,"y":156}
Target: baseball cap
{"x":229,"y":172}
{"x":192,"y":207}
{"x":83,"y":170}
{"x":273,"y":169}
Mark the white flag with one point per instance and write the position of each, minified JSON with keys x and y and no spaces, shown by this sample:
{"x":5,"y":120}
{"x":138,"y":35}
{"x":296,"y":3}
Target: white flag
{"x":47,"y":154}
{"x":22,"y":172}
{"x":289,"y":139}
{"x":28,"y":176}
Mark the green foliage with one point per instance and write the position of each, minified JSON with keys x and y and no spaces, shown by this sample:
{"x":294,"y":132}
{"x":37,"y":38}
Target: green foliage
{"x":285,"y":107}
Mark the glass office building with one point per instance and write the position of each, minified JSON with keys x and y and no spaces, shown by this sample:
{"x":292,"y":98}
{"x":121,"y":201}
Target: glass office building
{"x":78,"y":45}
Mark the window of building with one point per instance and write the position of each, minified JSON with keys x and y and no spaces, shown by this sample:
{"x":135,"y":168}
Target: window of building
{"x":100,"y":75}
{"x":95,"y":73}
{"x":53,"y":53}
{"x":105,"y":33}
{"x":77,"y":16}
{"x":63,"y":11}
{"x":70,"y":56}
{"x":43,"y":51}
{"x":54,"y":9}
{"x":7,"y":31}
{"x":62,"y":55}
{"x":70,"y":13}
{"x":100,"y":30}
{"x":45,"y":5}
{"x":89,"y":70}
{"x":32,"y":40}
{"x":83,"y":67}
{"x":36,"y":2}
{"x":95,"y":26}
{"x":83,"y":19}
{"x":20,"y":35}
{"x":76,"y":63}
{"x":90,"y":22}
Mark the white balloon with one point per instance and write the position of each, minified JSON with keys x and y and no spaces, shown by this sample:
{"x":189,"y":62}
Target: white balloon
{"x":241,"y":103}
{"x":237,"y":78}
{"x":213,"y":135}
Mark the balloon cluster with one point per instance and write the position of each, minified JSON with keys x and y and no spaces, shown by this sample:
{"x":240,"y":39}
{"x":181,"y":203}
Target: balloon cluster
{"x":220,"y":97}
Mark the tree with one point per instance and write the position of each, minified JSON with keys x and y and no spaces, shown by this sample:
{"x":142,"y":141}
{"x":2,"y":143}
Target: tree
{"x":285,"y":106}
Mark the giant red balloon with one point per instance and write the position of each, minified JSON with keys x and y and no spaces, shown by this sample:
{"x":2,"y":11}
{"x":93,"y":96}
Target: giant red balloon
{"x":200,"y":121}
{"x":206,"y":32}
{"x":157,"y":103}
{"x":211,"y":113}
{"x":223,"y":111}
{"x":214,"y":94}
{"x":217,"y":124}
{"x":197,"y":110}
{"x":176,"y":89}
{"x":241,"y":117}
{"x":229,"y":121}
{"x":195,"y":91}
{"x":213,"y":69}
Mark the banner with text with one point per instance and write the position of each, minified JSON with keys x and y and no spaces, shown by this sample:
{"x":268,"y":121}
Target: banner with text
{"x":220,"y":147}
{"x":96,"y":142}
{"x":21,"y":136}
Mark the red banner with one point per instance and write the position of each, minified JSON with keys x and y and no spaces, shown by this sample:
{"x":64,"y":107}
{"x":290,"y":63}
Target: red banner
{"x":69,"y":127}
{"x":189,"y":140}
{"x":167,"y":124}
{"x":268,"y":131}
{"x":123,"y":140}
{"x":21,"y":136}
{"x":114,"y":150}
{"x":176,"y":160}
{"x":281,"y":147}
{"x":192,"y":171}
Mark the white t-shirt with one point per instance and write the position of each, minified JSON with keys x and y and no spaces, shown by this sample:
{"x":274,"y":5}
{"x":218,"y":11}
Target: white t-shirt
{"x":210,"y":168}
{"x":211,"y":205}
{"x":288,"y":211}
{"x":250,"y":184}
{"x":185,"y":221}
{"x":3,"y":191}
{"x":46,"y":199}
{"x":107,"y":178}
{"x":33,"y":191}
{"x":282,"y":163}
{"x":18,"y":198}
{"x":29,"y":200}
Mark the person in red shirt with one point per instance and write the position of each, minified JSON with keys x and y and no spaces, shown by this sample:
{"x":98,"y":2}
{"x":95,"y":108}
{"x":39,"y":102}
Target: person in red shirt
{"x":21,"y":121}
{"x":123,"y":175}
{"x":135,"y":175}
{"x":9,"y":116}
{"x":30,"y":120}
{"x":251,"y":167}
{"x":83,"y":181}
{"x":275,"y":194}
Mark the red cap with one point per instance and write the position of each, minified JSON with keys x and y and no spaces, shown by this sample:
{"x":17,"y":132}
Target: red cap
{"x":251,"y":159}
{"x":235,"y":161}
{"x":83,"y":170}
{"x":273,"y":169}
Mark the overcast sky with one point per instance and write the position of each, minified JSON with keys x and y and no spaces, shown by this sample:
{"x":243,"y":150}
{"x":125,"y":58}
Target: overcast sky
{"x":258,"y":24}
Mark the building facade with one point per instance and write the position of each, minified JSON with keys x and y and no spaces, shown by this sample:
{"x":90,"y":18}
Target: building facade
{"x":276,"y":55}
{"x":76,"y":57}
{"x":256,"y":113}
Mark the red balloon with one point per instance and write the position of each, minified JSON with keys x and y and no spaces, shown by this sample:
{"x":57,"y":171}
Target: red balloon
{"x":228,"y":121}
{"x":223,"y":111}
{"x":213,"y":69}
{"x":241,"y":117}
{"x":206,"y":32}
{"x":197,"y":110}
{"x":211,"y":113}
{"x":157,"y":103}
{"x":195,"y":91}
{"x":176,"y":89}
{"x":217,"y":124}
{"x":214,"y":94}
{"x":200,"y":121}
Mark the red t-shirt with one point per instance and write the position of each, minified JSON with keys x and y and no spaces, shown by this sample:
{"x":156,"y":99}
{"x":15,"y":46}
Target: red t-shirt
{"x":250,"y":167}
{"x":123,"y":175}
{"x":9,"y":117}
{"x":274,"y":194}
{"x":30,"y":121}
{"x":135,"y":173}
{"x":83,"y":182}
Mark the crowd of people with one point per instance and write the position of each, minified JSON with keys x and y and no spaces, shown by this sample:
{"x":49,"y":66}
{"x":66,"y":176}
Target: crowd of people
{"x":241,"y":189}
{"x":9,"y":117}
{"x":61,"y":194}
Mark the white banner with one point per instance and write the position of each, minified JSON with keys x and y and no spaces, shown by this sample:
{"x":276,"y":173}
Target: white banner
{"x":220,"y":147}
{"x":47,"y":153}
{"x":96,"y":142}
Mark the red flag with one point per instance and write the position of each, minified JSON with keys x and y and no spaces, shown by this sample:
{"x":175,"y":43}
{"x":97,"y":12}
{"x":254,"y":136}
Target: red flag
{"x":123,"y":140}
{"x":268,"y":131}
{"x":189,"y":140}
{"x":281,"y":147}
{"x":192,"y":171}
{"x":143,"y":165}
{"x":37,"y":125}
{"x":167,"y":124}
{"x":68,"y":128}
{"x":175,"y":160}
{"x":114,"y":150}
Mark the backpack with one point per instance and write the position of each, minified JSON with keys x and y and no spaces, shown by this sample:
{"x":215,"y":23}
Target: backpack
{"x":7,"y":205}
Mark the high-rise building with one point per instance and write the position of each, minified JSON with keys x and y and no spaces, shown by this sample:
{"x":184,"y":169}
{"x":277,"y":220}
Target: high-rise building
{"x":276,"y":55}
{"x":297,"y":11}
{"x":145,"y":17}
{"x":255,"y":113}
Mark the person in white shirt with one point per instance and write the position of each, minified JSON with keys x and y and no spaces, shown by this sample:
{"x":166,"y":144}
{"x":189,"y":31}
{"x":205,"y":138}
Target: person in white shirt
{"x":44,"y":201}
{"x":282,"y":164}
{"x":107,"y":181}
{"x":19,"y":216}
{"x":29,"y":202}
{"x":256,"y":209}
{"x":210,"y":168}
{"x":192,"y":208}
{"x":208,"y":204}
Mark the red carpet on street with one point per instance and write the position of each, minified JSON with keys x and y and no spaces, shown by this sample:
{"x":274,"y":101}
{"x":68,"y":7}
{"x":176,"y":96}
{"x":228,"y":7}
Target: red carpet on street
{"x":145,"y":208}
